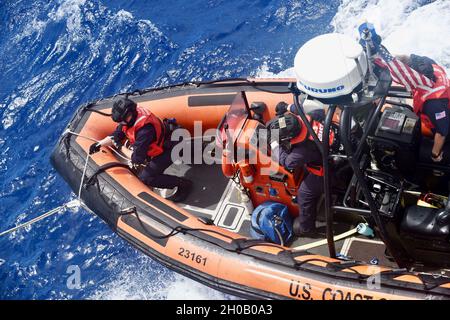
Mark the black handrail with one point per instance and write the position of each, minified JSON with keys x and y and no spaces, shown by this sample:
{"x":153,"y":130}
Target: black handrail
{"x":326,"y":179}
{"x":397,"y":254}
{"x":324,"y":150}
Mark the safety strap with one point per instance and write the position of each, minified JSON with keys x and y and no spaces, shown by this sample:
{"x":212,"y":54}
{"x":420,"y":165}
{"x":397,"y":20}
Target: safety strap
{"x":89,"y":106}
{"x":163,"y":132}
{"x":258,"y":217}
{"x":316,"y":170}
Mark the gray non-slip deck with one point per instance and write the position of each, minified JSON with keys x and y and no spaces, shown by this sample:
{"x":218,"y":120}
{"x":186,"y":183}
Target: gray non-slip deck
{"x":215,"y":197}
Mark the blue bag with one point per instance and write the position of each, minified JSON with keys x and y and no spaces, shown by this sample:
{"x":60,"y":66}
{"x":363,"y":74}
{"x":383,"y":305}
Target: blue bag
{"x":272,"y":222}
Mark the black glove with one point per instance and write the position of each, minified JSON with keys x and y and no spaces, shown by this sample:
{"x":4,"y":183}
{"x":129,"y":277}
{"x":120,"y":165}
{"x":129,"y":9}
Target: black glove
{"x":117,"y":144}
{"x":94,"y":148}
{"x":118,"y":137}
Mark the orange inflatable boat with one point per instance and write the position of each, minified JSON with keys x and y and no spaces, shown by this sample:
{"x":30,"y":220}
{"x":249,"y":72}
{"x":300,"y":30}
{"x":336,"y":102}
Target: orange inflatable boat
{"x":206,"y":237}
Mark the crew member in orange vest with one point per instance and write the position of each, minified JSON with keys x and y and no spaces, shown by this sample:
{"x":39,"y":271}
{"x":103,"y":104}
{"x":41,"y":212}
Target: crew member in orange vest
{"x":295,"y":148}
{"x":425,"y":79}
{"x":432,"y":103}
{"x":151,"y":144}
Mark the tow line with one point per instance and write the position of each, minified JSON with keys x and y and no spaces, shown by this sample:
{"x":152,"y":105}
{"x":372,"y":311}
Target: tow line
{"x":69,"y":205}
{"x":76,"y":203}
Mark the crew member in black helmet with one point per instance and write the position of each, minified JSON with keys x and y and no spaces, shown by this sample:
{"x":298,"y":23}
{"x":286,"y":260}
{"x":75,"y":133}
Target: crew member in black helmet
{"x":295,"y":149}
{"x":150,"y":140}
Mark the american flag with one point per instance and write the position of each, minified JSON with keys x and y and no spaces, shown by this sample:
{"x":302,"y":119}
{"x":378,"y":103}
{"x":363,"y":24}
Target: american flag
{"x":401,"y":73}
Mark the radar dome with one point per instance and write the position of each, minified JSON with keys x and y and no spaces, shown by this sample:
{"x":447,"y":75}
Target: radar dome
{"x":326,"y":68}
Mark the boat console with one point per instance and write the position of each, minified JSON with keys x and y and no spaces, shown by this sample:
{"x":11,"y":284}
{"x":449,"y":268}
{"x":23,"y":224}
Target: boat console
{"x":408,"y":190}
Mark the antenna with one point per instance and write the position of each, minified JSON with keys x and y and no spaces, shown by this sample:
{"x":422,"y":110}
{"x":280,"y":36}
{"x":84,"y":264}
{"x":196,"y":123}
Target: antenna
{"x":370,"y":80}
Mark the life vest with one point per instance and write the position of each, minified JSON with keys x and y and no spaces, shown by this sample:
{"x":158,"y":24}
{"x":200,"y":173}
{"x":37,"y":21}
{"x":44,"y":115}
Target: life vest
{"x":440,"y":90}
{"x":143,"y":118}
{"x":318,"y":127}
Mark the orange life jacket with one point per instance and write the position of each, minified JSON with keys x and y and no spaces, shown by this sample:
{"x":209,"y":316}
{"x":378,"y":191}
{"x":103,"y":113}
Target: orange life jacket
{"x":440,"y":90}
{"x":318,"y":128}
{"x":143,"y":118}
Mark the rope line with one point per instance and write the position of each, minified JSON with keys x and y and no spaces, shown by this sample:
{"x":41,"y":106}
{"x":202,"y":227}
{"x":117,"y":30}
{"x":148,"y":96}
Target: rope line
{"x":82,"y":177}
{"x":95,"y":140}
{"x":69,"y":205}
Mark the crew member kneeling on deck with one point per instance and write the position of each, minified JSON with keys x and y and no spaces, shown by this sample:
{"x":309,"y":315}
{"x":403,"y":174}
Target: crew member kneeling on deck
{"x":295,"y":149}
{"x":151,"y":144}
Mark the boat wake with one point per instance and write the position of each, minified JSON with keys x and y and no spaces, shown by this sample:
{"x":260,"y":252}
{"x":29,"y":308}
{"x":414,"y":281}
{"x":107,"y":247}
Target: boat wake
{"x":406,"y":26}
{"x":132,"y":285}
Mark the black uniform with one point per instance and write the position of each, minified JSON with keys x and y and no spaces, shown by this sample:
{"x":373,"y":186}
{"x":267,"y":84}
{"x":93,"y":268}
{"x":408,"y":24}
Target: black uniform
{"x":311,"y":188}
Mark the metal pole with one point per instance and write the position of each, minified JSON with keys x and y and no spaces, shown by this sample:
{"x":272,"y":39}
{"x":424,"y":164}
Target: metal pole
{"x":368,"y":128}
{"x":351,"y":210}
{"x":327,"y":191}
{"x":345,"y":124}
{"x":327,"y":182}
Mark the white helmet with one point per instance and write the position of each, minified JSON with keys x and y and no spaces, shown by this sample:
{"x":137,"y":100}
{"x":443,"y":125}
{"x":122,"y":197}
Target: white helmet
{"x":325,"y":66}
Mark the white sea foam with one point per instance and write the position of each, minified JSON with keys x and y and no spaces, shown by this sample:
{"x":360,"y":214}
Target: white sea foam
{"x":137,"y":285}
{"x":183,"y":287}
{"x":264,"y":72}
{"x":406,"y":26}
{"x":70,"y":11}
{"x":35,"y":27}
{"x":124,"y":15}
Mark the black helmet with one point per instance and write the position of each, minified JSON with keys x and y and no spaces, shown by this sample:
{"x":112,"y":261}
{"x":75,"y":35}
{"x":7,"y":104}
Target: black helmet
{"x":122,"y":107}
{"x":287,"y":125}
{"x":281,"y":108}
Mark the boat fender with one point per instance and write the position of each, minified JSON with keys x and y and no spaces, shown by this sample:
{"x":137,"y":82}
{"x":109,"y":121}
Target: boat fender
{"x":272,"y":222}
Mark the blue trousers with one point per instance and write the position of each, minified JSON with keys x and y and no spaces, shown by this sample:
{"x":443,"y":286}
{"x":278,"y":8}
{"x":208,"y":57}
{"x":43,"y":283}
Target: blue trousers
{"x":153,"y":174}
{"x":308,"y":196}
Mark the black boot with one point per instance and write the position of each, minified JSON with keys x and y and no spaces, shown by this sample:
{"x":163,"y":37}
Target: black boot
{"x":312,"y":233}
{"x":183,"y":189}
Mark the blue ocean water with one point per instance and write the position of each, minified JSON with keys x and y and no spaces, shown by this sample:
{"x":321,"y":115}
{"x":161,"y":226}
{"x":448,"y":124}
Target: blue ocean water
{"x":56,"y":55}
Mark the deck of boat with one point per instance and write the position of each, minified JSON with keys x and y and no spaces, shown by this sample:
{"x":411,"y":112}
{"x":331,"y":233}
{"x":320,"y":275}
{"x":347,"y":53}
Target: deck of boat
{"x":215,"y":197}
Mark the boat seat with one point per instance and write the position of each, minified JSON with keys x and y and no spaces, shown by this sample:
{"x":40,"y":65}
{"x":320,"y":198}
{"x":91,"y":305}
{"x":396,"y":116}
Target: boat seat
{"x":424,"y":222}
